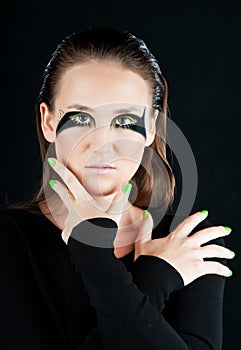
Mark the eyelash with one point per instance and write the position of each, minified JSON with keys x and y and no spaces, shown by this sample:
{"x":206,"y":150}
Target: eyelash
{"x":123,"y":126}
{"x":74,"y":117}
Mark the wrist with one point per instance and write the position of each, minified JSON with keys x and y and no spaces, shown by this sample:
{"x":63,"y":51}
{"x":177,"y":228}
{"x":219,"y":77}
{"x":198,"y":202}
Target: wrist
{"x":98,"y":232}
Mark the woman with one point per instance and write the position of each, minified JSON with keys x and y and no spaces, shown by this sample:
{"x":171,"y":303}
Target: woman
{"x":82,"y":265}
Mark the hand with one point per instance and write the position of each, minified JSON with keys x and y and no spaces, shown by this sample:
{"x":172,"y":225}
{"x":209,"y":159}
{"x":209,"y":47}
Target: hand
{"x":80,"y":204}
{"x":185,"y":253}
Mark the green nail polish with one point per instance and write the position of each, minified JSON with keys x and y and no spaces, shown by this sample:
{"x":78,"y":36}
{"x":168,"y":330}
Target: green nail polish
{"x":232,"y":253}
{"x":52,"y":183}
{"x":127,"y":188}
{"x":230,"y":273}
{"x":204,"y":211}
{"x":51,"y":161}
{"x":227,"y":228}
{"x":145,"y":212}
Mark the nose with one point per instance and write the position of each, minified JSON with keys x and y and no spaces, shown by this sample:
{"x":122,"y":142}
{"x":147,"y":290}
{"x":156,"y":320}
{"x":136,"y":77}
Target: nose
{"x":100,"y":138}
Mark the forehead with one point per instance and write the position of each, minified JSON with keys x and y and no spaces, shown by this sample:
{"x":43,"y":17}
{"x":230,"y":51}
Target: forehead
{"x":100,"y":83}
{"x":110,"y":107}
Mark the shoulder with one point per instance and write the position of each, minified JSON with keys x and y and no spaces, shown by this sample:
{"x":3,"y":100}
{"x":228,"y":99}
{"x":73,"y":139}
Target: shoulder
{"x":13,"y":217}
{"x":9,"y":217}
{"x":15,"y":223}
{"x":12,"y":245}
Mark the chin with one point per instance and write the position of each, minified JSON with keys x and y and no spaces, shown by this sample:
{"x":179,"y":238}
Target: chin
{"x":100,"y":188}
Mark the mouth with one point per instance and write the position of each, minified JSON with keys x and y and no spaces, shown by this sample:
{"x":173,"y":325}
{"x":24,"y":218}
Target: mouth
{"x":101,"y":168}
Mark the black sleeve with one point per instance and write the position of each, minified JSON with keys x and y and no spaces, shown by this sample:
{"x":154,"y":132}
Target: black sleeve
{"x":23,"y":318}
{"x":194,"y":311}
{"x":127,"y":318}
{"x":199,"y":306}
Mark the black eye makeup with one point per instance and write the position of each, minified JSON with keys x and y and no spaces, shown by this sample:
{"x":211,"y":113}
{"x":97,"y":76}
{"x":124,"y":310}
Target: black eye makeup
{"x":73,"y":119}
{"x":124,"y":121}
{"x":130,"y":121}
{"x":82,"y":119}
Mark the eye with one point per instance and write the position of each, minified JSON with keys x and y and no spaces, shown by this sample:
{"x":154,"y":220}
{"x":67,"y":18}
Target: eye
{"x":82,"y":119}
{"x":124,"y":121}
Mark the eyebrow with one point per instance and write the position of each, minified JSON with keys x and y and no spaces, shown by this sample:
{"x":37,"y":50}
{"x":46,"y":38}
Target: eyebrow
{"x":88,"y":109}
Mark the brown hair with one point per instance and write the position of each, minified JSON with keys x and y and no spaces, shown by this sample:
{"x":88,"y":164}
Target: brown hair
{"x":121,"y":47}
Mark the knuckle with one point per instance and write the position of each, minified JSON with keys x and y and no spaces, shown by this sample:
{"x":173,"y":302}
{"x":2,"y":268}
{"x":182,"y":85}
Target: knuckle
{"x":220,"y":269}
{"x":190,"y":243}
{"x":172,"y":236}
{"x":67,"y":177}
{"x":215,"y":249}
{"x":217,"y":230}
{"x":197,"y":253}
{"x":223,"y":250}
{"x":213,"y":229}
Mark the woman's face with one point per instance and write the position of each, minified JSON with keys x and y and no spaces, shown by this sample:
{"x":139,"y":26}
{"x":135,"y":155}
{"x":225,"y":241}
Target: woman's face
{"x":114,"y":129}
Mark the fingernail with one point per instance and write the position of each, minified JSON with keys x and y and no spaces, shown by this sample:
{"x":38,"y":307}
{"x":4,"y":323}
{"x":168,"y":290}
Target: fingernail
{"x":232,"y":253}
{"x":230,"y":273}
{"x":51,"y":161}
{"x":52,"y":183}
{"x":145,"y":213}
{"x":227,"y":228}
{"x":204,"y":211}
{"x":127,"y":188}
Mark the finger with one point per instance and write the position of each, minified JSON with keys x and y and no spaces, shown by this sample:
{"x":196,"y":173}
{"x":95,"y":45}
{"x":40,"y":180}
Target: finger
{"x":213,"y":267}
{"x":117,"y":207}
{"x":62,"y":191}
{"x":188,"y":224}
{"x":69,"y":179}
{"x":145,"y":229}
{"x":208,"y":234}
{"x":215,"y":251}
{"x":127,"y":190}
{"x":65,"y":236}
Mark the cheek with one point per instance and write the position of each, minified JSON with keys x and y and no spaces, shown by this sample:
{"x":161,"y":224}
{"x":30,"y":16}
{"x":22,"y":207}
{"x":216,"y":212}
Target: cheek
{"x":68,"y":147}
{"x":127,"y":168}
{"x":130,"y":156}
{"x":131,"y":150}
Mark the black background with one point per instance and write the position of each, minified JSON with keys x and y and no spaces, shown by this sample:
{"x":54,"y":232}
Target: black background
{"x":198,"y":47}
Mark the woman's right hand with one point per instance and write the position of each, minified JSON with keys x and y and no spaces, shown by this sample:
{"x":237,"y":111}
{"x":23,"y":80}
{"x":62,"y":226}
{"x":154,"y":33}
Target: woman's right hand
{"x":80,"y":204}
{"x":185,"y":253}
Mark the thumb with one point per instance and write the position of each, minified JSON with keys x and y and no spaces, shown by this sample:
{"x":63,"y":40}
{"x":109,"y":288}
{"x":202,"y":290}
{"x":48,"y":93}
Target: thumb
{"x":144,"y":234}
{"x":145,"y":229}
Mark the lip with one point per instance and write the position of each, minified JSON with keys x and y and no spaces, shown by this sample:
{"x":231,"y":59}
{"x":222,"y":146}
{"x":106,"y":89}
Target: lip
{"x":101,"y":166}
{"x":101,"y":170}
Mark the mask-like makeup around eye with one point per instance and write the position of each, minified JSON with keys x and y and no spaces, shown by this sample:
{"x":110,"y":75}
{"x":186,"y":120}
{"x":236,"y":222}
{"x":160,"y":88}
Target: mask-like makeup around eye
{"x":123,"y":119}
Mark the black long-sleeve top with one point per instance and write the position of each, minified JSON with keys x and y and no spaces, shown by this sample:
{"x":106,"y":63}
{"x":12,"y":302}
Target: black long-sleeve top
{"x":78,"y":296}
